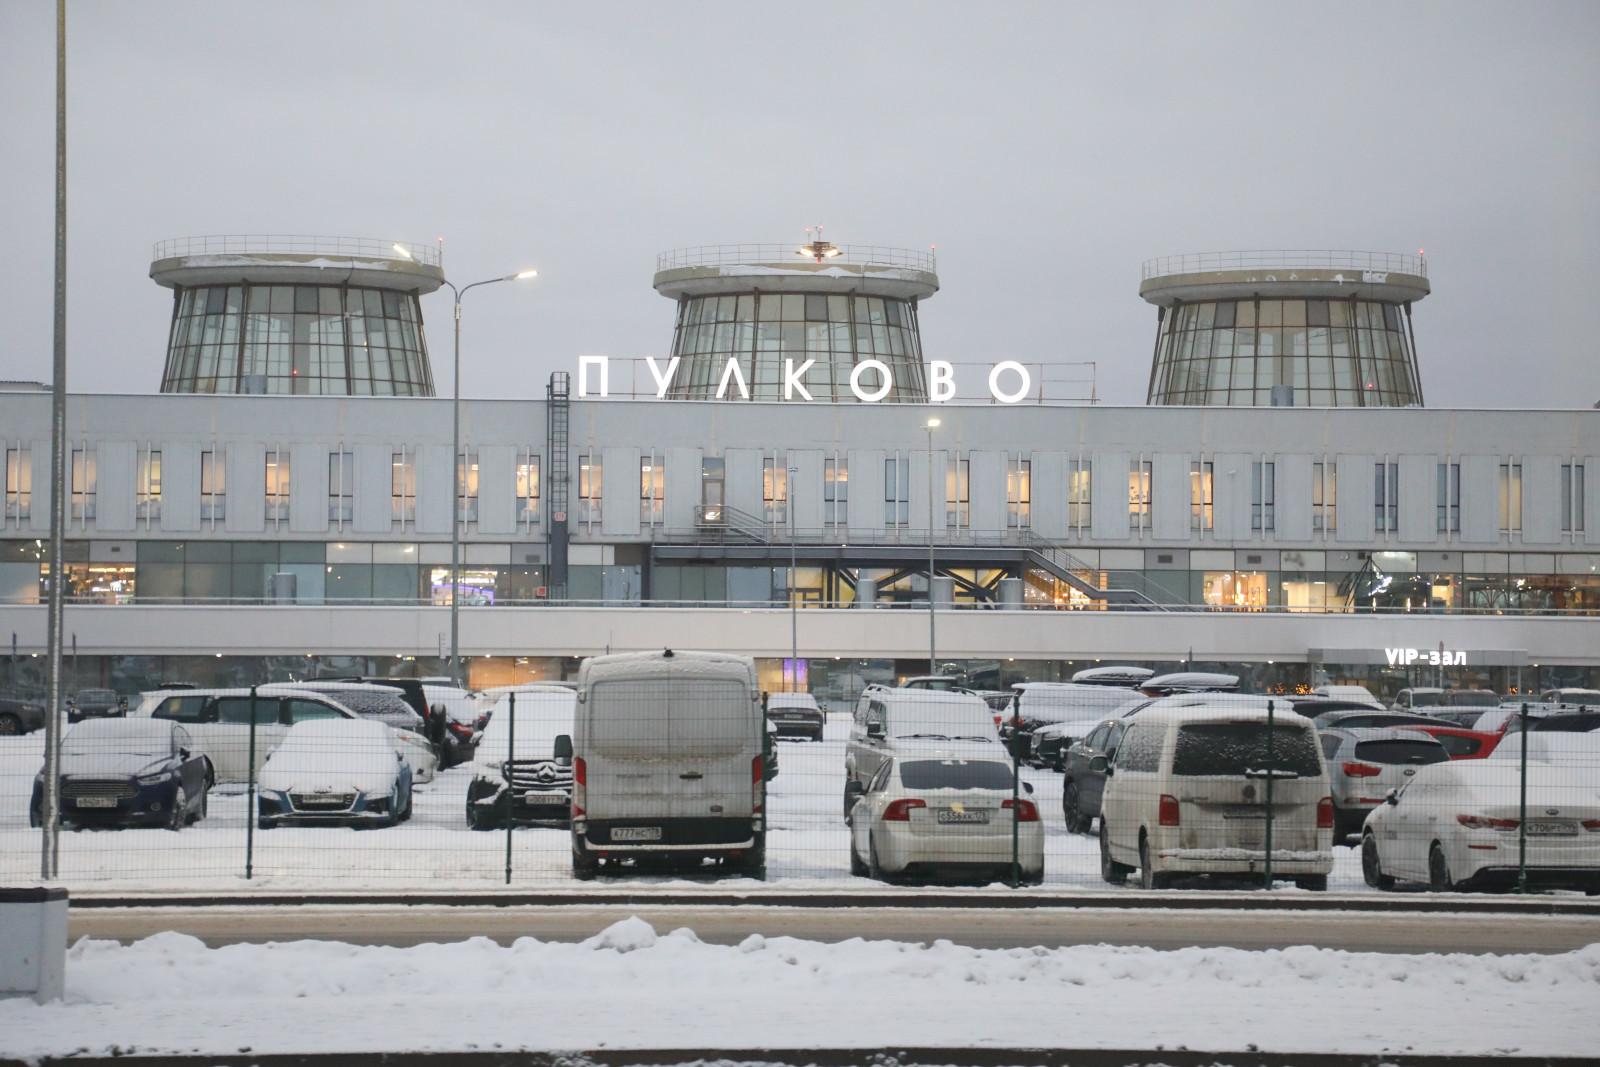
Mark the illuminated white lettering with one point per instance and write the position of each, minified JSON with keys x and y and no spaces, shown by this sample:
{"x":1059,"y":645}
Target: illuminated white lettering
{"x":791,"y":378}
{"x":941,"y":381}
{"x":584,"y":363}
{"x":662,"y":380}
{"x":732,"y":371}
{"x":1021,"y":372}
{"x":882,"y":390}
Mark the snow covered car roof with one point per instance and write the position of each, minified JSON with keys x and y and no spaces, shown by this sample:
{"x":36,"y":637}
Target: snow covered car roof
{"x":667,"y":663}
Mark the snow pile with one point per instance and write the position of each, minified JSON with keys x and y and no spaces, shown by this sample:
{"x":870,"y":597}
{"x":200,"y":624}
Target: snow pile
{"x":630,"y":987}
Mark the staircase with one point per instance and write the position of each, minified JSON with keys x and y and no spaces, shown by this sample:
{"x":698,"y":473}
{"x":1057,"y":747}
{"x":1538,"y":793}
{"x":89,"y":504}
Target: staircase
{"x":1132,"y":590}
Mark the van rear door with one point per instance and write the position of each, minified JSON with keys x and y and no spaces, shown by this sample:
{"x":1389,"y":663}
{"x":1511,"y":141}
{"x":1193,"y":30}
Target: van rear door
{"x":1220,"y":770}
{"x":671,"y":747}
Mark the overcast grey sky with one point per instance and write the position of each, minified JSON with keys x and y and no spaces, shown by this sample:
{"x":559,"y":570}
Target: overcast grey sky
{"x":1047,"y":149}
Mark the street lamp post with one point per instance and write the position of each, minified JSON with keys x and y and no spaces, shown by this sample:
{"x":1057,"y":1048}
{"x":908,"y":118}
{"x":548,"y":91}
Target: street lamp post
{"x":931,"y":425}
{"x":455,"y":476}
{"x":794,"y":607}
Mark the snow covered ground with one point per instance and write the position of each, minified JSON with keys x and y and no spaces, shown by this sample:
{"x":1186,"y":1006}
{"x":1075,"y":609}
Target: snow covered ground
{"x":807,"y":843}
{"x":632,"y":987}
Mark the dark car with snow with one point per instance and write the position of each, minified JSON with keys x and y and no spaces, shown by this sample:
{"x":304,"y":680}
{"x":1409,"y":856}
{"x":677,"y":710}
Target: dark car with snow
{"x":795,"y":715}
{"x":19,"y":716}
{"x":128,"y":772}
{"x":522,"y":769}
{"x":95,"y":704}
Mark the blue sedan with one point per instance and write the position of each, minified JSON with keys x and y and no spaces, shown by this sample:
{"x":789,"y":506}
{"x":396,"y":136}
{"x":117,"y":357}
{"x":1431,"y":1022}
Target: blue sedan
{"x":128,"y":772}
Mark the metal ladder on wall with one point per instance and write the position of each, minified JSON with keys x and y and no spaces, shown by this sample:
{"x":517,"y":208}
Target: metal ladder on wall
{"x":558,"y":458}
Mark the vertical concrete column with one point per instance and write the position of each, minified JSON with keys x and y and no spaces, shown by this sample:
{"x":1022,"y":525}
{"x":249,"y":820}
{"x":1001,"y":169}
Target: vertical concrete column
{"x":33,"y":942}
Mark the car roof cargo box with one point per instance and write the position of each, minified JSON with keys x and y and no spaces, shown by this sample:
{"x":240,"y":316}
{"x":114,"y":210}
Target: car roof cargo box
{"x":1129,"y":677}
{"x":1190,"y":682}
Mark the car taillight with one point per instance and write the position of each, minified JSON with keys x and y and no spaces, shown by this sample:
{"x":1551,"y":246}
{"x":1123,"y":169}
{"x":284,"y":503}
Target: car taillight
{"x":1325,"y":813}
{"x":580,"y":782}
{"x":758,"y":768}
{"x":1361,"y":770}
{"x":460,"y":729}
{"x":1027,"y":811}
{"x":900,"y":810}
{"x":1483,"y":822}
{"x":1168,"y":810}
{"x":1591,"y":824}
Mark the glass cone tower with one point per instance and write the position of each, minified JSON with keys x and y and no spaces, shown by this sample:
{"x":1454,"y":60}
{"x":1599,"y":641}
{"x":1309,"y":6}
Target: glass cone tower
{"x":761,"y":308}
{"x":308,"y":316}
{"x":1313,"y":329}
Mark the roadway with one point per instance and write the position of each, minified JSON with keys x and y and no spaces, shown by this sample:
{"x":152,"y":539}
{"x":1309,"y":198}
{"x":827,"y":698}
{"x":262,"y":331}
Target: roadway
{"x":1164,"y":928}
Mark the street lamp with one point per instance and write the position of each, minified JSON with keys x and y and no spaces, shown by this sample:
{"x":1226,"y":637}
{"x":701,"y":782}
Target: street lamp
{"x":794,"y":607}
{"x":455,"y":470}
{"x":931,"y":425}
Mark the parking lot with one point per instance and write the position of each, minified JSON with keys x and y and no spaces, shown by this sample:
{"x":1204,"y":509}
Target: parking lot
{"x":807,"y":843}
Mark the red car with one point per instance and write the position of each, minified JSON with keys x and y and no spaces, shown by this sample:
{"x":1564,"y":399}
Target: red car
{"x":1461,"y":743}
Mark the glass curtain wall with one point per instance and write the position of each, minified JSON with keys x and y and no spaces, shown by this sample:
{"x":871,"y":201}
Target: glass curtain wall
{"x":1335,"y":353}
{"x":297,"y":339}
{"x":761,"y":330}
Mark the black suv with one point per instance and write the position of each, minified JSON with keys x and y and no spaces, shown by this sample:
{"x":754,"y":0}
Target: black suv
{"x":95,"y":704}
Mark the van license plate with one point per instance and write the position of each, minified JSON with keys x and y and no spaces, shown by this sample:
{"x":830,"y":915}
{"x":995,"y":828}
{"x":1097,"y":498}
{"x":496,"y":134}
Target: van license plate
{"x":636,"y":833}
{"x":947,"y":815}
{"x":97,"y":802}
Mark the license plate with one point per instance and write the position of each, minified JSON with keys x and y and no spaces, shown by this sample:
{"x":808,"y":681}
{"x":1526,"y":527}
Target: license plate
{"x":97,"y":802}
{"x":947,"y":815}
{"x":636,"y":833}
{"x":1552,"y":829}
{"x":544,"y":798}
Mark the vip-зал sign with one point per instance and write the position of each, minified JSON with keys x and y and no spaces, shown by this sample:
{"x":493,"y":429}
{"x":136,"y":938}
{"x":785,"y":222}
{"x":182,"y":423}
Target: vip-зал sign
{"x":870,"y":380}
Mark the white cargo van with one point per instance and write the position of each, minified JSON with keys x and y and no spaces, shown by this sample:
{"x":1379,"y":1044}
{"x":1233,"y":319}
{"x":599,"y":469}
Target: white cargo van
{"x":669,"y":763}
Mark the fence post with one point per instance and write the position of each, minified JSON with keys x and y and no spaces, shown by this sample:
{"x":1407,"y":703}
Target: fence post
{"x":511,"y":779}
{"x":1271,"y":767}
{"x":250,"y":797}
{"x":1522,"y":804}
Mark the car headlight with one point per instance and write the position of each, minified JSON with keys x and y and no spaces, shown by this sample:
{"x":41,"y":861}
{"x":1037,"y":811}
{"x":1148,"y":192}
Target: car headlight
{"x":155,"y":779}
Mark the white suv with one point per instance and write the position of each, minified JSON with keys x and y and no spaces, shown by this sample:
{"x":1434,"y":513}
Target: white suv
{"x":887,"y":718}
{"x":1187,"y":794}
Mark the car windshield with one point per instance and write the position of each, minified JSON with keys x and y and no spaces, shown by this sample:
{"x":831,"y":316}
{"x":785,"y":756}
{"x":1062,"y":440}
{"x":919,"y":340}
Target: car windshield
{"x":1397,"y":750}
{"x":954,"y":774}
{"x":132,"y":737}
{"x":1232,"y":748}
{"x":1472,"y":698}
{"x":98,"y":695}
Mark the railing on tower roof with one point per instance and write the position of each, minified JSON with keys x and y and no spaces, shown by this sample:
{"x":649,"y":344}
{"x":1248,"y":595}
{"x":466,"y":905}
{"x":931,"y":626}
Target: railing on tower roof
{"x":295,"y":244}
{"x":769,"y":254}
{"x":1267,"y":259}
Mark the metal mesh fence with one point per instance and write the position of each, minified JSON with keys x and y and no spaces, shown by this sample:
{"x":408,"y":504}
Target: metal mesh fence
{"x":674,"y":775}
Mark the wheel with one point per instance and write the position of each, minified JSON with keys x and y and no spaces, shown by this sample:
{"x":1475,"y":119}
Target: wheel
{"x":1438,"y":870}
{"x":874,"y":868}
{"x":265,"y":824}
{"x":1317,"y":883}
{"x":848,"y":804}
{"x":405,"y":812}
{"x":10,"y":726}
{"x":1149,"y":878}
{"x":584,"y":866}
{"x":1371,"y":870}
{"x":199,"y":814}
{"x":857,"y":868}
{"x":1076,"y":823}
{"x":478,"y":819}
{"x":178,"y":817}
{"x":1110,"y":870}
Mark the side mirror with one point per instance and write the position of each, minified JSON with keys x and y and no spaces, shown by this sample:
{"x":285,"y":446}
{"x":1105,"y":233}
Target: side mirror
{"x":1028,"y":786}
{"x":876,"y":730}
{"x":1100,"y":765}
{"x":183,"y":753}
{"x":563,"y":749}
{"x":853,"y":790}
{"x":1392,"y":797}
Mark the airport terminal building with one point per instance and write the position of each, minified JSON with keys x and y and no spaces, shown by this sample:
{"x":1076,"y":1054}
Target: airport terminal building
{"x":1284,"y":503}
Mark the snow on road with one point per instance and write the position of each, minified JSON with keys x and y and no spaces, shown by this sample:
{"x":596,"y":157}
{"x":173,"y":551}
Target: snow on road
{"x":807,"y":842}
{"x":630,"y":987}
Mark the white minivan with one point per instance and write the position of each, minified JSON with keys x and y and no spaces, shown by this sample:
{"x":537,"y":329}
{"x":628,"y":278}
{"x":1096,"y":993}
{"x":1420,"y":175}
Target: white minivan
{"x":887,"y":718}
{"x":1187,"y":793}
{"x":669,"y":763}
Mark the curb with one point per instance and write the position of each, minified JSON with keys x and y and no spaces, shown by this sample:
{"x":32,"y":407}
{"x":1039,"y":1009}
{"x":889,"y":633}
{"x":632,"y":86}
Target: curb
{"x":1132,"y":900}
{"x":819,"y":1057}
